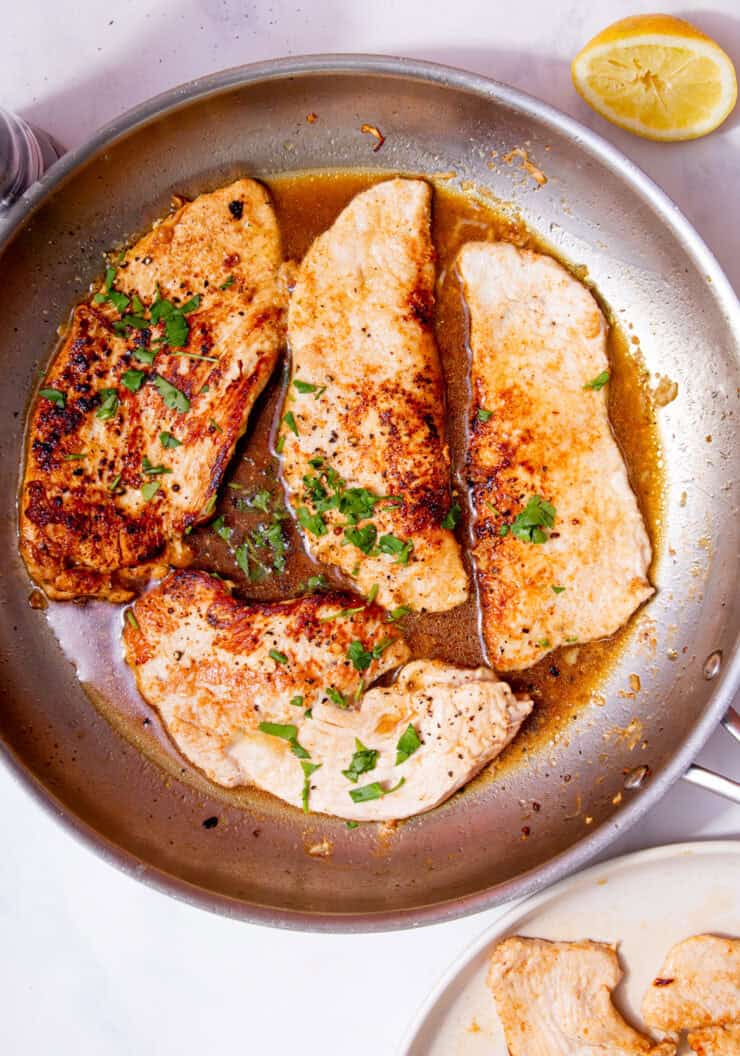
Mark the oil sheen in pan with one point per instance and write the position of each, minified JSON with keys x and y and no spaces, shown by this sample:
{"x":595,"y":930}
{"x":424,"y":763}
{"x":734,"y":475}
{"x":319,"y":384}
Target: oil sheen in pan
{"x":307,"y":204}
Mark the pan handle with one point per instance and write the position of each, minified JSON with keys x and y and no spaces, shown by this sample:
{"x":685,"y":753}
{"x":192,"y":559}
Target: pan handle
{"x":722,"y":786}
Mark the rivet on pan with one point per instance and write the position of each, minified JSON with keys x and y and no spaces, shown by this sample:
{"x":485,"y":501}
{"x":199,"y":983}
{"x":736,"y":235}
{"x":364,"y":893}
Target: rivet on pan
{"x":636,"y":778}
{"x":712,"y":664}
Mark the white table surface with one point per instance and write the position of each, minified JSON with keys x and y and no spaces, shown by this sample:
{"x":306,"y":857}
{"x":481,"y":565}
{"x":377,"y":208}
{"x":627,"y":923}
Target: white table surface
{"x":91,"y":962}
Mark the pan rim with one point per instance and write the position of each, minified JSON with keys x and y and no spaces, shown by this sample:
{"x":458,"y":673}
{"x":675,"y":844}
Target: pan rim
{"x":575,"y":856}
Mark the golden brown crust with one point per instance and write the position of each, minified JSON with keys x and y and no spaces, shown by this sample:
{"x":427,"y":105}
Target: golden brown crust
{"x":86,"y":528}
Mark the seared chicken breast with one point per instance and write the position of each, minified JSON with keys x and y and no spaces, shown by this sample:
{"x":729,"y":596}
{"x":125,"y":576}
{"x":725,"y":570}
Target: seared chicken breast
{"x":365,"y":458}
{"x":140,"y":411}
{"x":272,"y":695}
{"x":698,"y":989}
{"x":554,"y":999}
{"x":560,"y":547}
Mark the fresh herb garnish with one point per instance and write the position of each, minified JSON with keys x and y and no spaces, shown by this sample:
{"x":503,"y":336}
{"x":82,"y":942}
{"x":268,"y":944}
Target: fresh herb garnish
{"x":398,"y":613}
{"x":312,"y":522}
{"x":360,"y":657}
{"x":483,"y":415}
{"x":314,"y":583}
{"x":363,"y":538}
{"x":278,"y":657}
{"x":176,"y":326}
{"x":305,"y":387}
{"x":132,"y":619}
{"x":75,"y":457}
{"x":390,"y":544}
{"x":336,"y":697}
{"x":119,"y":300}
{"x":287,"y":732}
{"x":149,"y":490}
{"x":210,"y":505}
{"x":373,"y":791}
{"x":241,"y":556}
{"x":135,"y":322}
{"x":357,"y":503}
{"x":296,"y":702}
{"x":544,"y":643}
{"x":529,"y":525}
{"x":343,"y":614}
{"x":115,"y":483}
{"x":289,"y":420}
{"x":261,"y":500}
{"x":168,"y":440}
{"x":598,"y":382}
{"x":308,"y":769}
{"x":56,"y":396}
{"x":196,"y":355}
{"x":372,"y":593}
{"x":558,"y":590}
{"x":572,"y":639}
{"x":108,"y":404}
{"x":173,"y":398}
{"x":133,"y":379}
{"x":151,"y":470}
{"x":137,"y":304}
{"x":229,"y":282}
{"x":363,"y":760}
{"x":351,"y":824}
{"x":221,"y":529}
{"x":408,"y":743}
{"x":280,"y":444}
{"x":452,"y":517}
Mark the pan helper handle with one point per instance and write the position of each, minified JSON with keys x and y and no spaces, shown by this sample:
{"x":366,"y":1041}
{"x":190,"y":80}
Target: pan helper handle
{"x":717,"y":783}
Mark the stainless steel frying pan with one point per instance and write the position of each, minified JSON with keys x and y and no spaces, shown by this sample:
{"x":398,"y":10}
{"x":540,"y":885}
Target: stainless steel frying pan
{"x":653,"y":270}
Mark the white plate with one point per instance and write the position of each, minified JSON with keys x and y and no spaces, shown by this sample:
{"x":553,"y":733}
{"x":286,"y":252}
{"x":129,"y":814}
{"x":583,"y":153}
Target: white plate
{"x":645,"y":902}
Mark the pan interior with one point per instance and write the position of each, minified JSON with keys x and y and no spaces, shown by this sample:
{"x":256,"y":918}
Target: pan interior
{"x":261,"y":859}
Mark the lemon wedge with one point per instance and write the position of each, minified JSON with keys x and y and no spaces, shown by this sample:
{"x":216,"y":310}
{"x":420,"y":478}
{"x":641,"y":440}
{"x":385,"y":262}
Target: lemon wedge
{"x":656,"y":76}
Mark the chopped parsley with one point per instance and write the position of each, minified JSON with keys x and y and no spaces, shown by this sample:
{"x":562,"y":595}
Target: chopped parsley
{"x":289,"y":420}
{"x":108,"y":404}
{"x":173,"y":398}
{"x":196,"y":355}
{"x":312,"y":522}
{"x":296,"y":702}
{"x":168,"y":440}
{"x":598,"y":382}
{"x":261,"y":500}
{"x":229,"y":282}
{"x":279,"y":658}
{"x":373,"y":791}
{"x":241,"y":556}
{"x":357,"y":503}
{"x":343,"y":614}
{"x":408,"y":743}
{"x":109,"y":295}
{"x":530,"y":524}
{"x":75,"y":457}
{"x":133,"y":379}
{"x":116,"y":481}
{"x":144,"y":355}
{"x":372,"y":593}
{"x":351,"y":824}
{"x":544,"y":643}
{"x":452,"y":517}
{"x":280,"y":444}
{"x":558,"y":590}
{"x":483,"y":415}
{"x":210,"y":505}
{"x":398,"y":613}
{"x":153,"y":471}
{"x":363,"y":538}
{"x":304,"y":387}
{"x":176,"y":329}
{"x":221,"y":529}
{"x":308,"y":769}
{"x":287,"y":732}
{"x":149,"y":490}
{"x":363,"y":760}
{"x":135,"y":322}
{"x":390,"y":544}
{"x":572,"y":639}
{"x":336,"y":697}
{"x":314,"y":583}
{"x":132,"y":619}
{"x":56,"y":396}
{"x":359,"y":656}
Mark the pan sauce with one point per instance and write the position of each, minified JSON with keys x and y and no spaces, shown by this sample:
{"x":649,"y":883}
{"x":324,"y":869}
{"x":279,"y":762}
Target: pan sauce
{"x":564,"y":681}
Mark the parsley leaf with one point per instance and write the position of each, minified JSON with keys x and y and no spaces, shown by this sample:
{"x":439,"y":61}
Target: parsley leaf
{"x":336,"y":697}
{"x":149,"y":490}
{"x":287,"y":732}
{"x":312,"y":522}
{"x":132,"y":619}
{"x":529,"y":525}
{"x":304,"y":386}
{"x":398,"y":613}
{"x":144,"y":355}
{"x":483,"y":415}
{"x":221,"y":529}
{"x":153,"y":471}
{"x":363,"y":538}
{"x":308,"y":769}
{"x":408,"y":743}
{"x":373,"y":791}
{"x":229,"y":282}
{"x":359,"y":655}
{"x":357,"y":503}
{"x":133,"y":380}
{"x":261,"y":500}
{"x":168,"y":440}
{"x":278,"y":657}
{"x":56,"y":396}
{"x":363,"y":760}
{"x":343,"y":614}
{"x":390,"y":544}
{"x":452,"y":517}
{"x":598,"y":382}
{"x":108,"y":404}
{"x":372,"y":593}
{"x":558,"y":590}
{"x":297,"y":702}
{"x":314,"y":583}
{"x":173,"y":398}
{"x":289,"y":420}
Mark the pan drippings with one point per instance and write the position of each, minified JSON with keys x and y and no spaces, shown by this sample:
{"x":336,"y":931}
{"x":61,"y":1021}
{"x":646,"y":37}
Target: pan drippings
{"x":253,"y":541}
